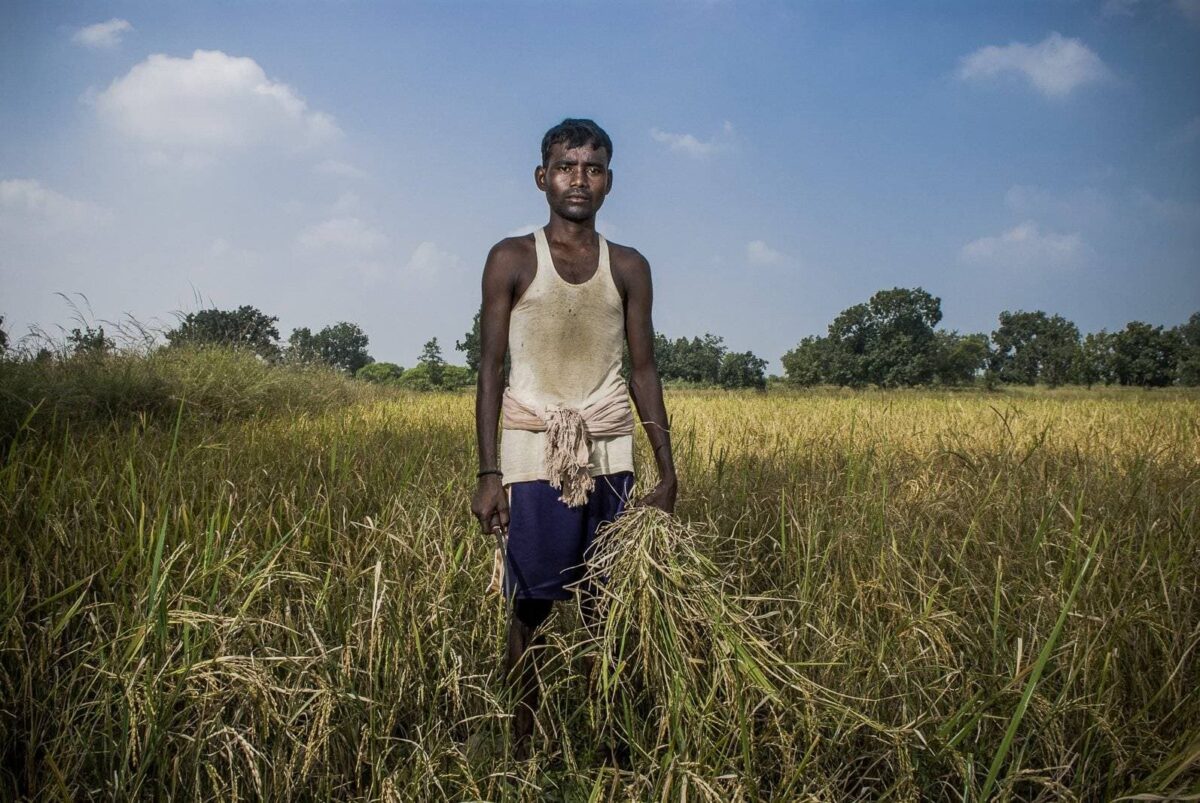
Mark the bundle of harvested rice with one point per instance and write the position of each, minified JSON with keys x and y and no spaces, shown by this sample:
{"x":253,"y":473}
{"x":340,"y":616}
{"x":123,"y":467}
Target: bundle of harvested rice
{"x":680,"y":660}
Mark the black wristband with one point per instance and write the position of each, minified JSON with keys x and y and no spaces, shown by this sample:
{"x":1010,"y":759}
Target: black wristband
{"x":495,"y":471}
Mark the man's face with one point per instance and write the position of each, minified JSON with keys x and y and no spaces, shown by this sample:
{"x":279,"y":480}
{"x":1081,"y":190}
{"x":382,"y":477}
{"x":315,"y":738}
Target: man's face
{"x":575,"y":180}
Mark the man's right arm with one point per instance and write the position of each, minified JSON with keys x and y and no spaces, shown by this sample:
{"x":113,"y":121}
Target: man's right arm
{"x":490,"y":503}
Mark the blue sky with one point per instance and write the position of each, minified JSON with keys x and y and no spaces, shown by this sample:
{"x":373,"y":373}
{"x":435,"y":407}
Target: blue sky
{"x":775,"y":162}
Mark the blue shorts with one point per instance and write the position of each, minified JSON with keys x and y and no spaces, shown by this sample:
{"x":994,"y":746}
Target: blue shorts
{"x":548,"y":541}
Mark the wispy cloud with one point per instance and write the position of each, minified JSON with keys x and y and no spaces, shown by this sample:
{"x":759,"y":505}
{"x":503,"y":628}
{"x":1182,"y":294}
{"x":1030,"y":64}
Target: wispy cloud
{"x":341,"y":233}
{"x":339,"y":169}
{"x":1182,"y":213}
{"x":759,"y":253}
{"x":428,"y":260}
{"x":1083,"y":208}
{"x":26,"y":202}
{"x":1025,"y":246}
{"x":193,"y":108}
{"x":693,"y":146}
{"x":521,"y":231}
{"x":102,"y":35}
{"x":1054,"y":66}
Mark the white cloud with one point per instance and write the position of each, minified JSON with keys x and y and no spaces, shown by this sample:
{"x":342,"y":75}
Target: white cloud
{"x":609,"y":230}
{"x":102,"y":35}
{"x":1181,"y":213}
{"x":206,"y":104}
{"x":25,"y":202}
{"x":691,"y":145}
{"x":1055,"y":66}
{"x":521,"y":231}
{"x":341,"y":233}
{"x":1025,"y":246}
{"x":428,"y":260}
{"x":337,"y":169}
{"x":1081,"y":208}
{"x":759,"y":253}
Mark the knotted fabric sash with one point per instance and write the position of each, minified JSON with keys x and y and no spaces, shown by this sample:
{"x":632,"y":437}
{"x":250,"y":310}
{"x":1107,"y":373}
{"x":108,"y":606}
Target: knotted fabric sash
{"x":569,"y":433}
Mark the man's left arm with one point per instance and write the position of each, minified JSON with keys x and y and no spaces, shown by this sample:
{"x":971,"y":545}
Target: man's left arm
{"x":644,"y":383}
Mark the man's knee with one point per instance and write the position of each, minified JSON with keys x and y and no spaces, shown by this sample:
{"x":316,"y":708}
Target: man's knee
{"x":532,"y":612}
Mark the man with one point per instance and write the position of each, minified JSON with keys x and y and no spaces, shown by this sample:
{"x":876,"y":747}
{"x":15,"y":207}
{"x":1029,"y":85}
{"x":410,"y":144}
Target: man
{"x":564,"y":302}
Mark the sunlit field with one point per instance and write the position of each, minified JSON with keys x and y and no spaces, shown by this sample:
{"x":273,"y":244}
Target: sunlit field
{"x":279,"y":594}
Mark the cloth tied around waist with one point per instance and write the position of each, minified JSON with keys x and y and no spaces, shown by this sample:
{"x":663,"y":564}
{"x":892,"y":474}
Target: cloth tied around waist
{"x":569,"y":433}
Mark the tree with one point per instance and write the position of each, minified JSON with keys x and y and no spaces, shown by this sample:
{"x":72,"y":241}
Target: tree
{"x":302,"y":346}
{"x":742,"y":370}
{"x":380,"y":373}
{"x":89,"y":341}
{"x":431,"y":359}
{"x":1093,"y":359}
{"x":664,"y":356}
{"x":1033,"y":346}
{"x":245,"y":327}
{"x":342,"y":346}
{"x":809,"y":362}
{"x":3,"y":336}
{"x":889,"y":341}
{"x":1188,"y":366}
{"x":960,"y":358}
{"x":470,"y":345}
{"x":1144,"y":355}
{"x":698,"y":360}
{"x":902,"y":350}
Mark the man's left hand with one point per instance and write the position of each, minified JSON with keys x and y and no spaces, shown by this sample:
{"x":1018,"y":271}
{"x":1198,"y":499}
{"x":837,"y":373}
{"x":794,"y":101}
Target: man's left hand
{"x":661,"y":496}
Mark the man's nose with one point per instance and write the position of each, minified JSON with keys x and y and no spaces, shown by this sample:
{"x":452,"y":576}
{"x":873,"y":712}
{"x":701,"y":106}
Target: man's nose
{"x":578,"y":177}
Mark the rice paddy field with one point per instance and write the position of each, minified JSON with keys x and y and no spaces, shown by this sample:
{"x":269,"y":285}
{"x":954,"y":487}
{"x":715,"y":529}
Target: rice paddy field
{"x":266,"y":591}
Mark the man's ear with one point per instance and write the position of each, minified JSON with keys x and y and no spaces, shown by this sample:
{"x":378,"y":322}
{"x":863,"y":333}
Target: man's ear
{"x":539,"y":177}
{"x":608,"y":188}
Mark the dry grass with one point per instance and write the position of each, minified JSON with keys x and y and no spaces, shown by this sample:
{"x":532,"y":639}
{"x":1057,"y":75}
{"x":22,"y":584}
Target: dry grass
{"x":882,"y":596}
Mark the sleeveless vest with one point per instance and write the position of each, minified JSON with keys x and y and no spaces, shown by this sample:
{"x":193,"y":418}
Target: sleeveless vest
{"x":565,"y":342}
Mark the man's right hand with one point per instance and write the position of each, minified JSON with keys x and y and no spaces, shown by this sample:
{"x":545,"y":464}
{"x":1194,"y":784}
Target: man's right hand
{"x":490,"y":505}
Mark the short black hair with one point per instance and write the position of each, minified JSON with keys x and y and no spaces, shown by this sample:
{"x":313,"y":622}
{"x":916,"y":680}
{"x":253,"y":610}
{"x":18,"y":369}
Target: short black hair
{"x":574,"y":132}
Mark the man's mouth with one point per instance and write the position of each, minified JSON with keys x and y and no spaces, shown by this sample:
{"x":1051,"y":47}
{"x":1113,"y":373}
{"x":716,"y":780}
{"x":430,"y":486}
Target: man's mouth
{"x":582,"y":198}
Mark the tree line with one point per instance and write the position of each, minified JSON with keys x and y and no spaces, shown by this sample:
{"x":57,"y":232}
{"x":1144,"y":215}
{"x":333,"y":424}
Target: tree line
{"x":700,"y":361}
{"x":892,"y":341}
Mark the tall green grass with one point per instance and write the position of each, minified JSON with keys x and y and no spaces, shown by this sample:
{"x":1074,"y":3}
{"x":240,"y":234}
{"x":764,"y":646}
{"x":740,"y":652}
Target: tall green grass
{"x":258,"y":588}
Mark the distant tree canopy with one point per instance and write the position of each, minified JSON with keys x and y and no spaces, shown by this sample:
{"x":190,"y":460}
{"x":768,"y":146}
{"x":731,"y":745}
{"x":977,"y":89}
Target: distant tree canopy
{"x":1139,"y":354}
{"x":343,"y":346}
{"x":379,"y":373}
{"x":470,"y":346}
{"x":245,"y":327}
{"x":707,"y":361}
{"x":1032,"y":347}
{"x":741,"y":369}
{"x":89,"y":341}
{"x":431,"y":360}
{"x":3,"y":336}
{"x":889,"y":341}
{"x":1189,"y":351}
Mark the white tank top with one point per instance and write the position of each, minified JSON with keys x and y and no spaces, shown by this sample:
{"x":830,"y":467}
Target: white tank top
{"x":565,"y":342}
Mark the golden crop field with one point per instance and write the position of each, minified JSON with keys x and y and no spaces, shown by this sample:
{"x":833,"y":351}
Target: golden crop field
{"x":975,"y":594}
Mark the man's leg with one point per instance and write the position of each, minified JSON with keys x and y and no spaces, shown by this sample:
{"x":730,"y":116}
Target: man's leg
{"x":527,"y":615}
